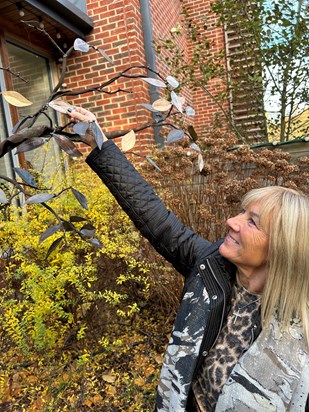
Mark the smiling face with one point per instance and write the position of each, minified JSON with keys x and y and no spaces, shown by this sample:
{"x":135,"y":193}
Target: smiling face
{"x":246,"y":244}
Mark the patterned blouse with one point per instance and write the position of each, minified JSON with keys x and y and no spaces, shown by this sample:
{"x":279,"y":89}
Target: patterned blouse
{"x":234,"y":339}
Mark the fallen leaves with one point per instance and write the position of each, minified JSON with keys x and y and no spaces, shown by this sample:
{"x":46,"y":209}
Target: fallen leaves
{"x":109,"y":378}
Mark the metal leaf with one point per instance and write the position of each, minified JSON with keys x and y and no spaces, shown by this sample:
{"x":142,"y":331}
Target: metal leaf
{"x":172,"y":82}
{"x":77,"y":219}
{"x":17,"y":125}
{"x":153,"y":163}
{"x":67,"y":145}
{"x":128,"y":141}
{"x":26,"y":133}
{"x":174,"y":135}
{"x":149,"y":107}
{"x":54,"y":246}
{"x":98,"y":134}
{"x":39,"y":198}
{"x":177,"y":101}
{"x":192,"y":133}
{"x":96,"y":242}
{"x":68,"y":226}
{"x":162,"y":105}
{"x":81,"y":45}
{"x":89,"y":226}
{"x":16,"y":99}
{"x":3,"y":198}
{"x":25,"y":176}
{"x":22,"y":122}
{"x":87,"y":233}
{"x":200,"y":161}
{"x":88,"y":230}
{"x":106,"y":56}
{"x":60,"y":105}
{"x":194,"y":146}
{"x":81,"y":128}
{"x":81,"y":198}
{"x":190,"y":111}
{"x":154,"y":82}
{"x":32,"y":144}
{"x":49,"y":232}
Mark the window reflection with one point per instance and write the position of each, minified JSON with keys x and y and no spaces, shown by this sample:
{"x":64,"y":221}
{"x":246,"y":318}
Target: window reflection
{"x":34,"y":69}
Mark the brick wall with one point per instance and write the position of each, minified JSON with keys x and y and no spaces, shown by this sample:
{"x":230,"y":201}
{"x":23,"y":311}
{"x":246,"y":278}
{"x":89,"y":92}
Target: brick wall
{"x":118,"y":30}
{"x":207,"y":110}
{"x":164,"y":20}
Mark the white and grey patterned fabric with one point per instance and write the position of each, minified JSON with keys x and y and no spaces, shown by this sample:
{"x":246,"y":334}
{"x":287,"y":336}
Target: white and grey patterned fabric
{"x":272,"y":376}
{"x":184,"y":345}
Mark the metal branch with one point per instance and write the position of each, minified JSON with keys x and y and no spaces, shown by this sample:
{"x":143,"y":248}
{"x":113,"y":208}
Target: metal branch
{"x":8,"y":69}
{"x":34,"y":26}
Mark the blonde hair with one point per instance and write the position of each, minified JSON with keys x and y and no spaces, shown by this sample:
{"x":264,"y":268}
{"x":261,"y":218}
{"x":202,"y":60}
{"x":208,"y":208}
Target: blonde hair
{"x":284,"y":215}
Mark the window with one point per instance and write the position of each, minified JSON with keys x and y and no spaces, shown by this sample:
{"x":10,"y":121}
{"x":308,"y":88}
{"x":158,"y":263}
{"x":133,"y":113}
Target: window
{"x":36,"y":71}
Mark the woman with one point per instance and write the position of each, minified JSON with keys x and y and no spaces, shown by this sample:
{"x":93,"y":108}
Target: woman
{"x":240,"y":338}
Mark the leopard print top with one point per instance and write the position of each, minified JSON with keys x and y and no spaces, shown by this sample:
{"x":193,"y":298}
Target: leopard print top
{"x":234,"y":339}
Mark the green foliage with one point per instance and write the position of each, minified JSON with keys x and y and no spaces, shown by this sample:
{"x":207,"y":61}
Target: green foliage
{"x":270,"y":61}
{"x":43,"y":298}
{"x":280,"y":31}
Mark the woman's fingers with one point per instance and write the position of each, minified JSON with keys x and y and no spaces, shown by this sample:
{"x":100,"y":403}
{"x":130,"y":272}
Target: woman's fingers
{"x":80,"y":114}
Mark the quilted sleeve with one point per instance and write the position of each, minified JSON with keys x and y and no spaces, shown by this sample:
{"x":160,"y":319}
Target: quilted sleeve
{"x":177,"y":243}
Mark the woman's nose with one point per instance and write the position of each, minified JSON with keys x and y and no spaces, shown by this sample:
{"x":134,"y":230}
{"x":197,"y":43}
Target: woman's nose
{"x":233,"y":223}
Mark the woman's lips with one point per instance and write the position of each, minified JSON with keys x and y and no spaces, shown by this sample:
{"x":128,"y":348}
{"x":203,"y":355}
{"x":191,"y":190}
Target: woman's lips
{"x":230,"y":238}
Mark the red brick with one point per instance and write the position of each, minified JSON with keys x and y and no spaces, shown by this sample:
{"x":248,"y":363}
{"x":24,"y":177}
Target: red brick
{"x":118,"y":31}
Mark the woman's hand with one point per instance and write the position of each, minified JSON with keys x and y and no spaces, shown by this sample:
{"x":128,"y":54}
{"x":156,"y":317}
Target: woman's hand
{"x":81,"y":115}
{"x":78,"y":114}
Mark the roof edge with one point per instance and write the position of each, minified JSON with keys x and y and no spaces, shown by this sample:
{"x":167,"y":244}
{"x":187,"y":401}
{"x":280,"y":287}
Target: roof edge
{"x":66,"y":14}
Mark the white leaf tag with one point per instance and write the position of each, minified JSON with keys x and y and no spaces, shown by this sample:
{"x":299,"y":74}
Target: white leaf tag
{"x":196,"y":147}
{"x":190,"y":111}
{"x":172,"y":82}
{"x":200,"y":161}
{"x":162,"y":105}
{"x":154,"y":82}
{"x":81,"y":45}
{"x":128,"y":141}
{"x":59,"y":105}
{"x":174,"y":135}
{"x":177,"y":101}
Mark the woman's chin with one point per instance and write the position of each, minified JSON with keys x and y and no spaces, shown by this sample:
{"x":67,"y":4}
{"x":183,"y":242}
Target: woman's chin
{"x":228,"y":251}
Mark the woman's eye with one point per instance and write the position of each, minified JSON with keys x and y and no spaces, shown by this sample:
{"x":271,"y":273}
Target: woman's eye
{"x":252,"y":222}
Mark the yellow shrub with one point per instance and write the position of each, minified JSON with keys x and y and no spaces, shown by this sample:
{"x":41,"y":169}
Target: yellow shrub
{"x":45,"y":301}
